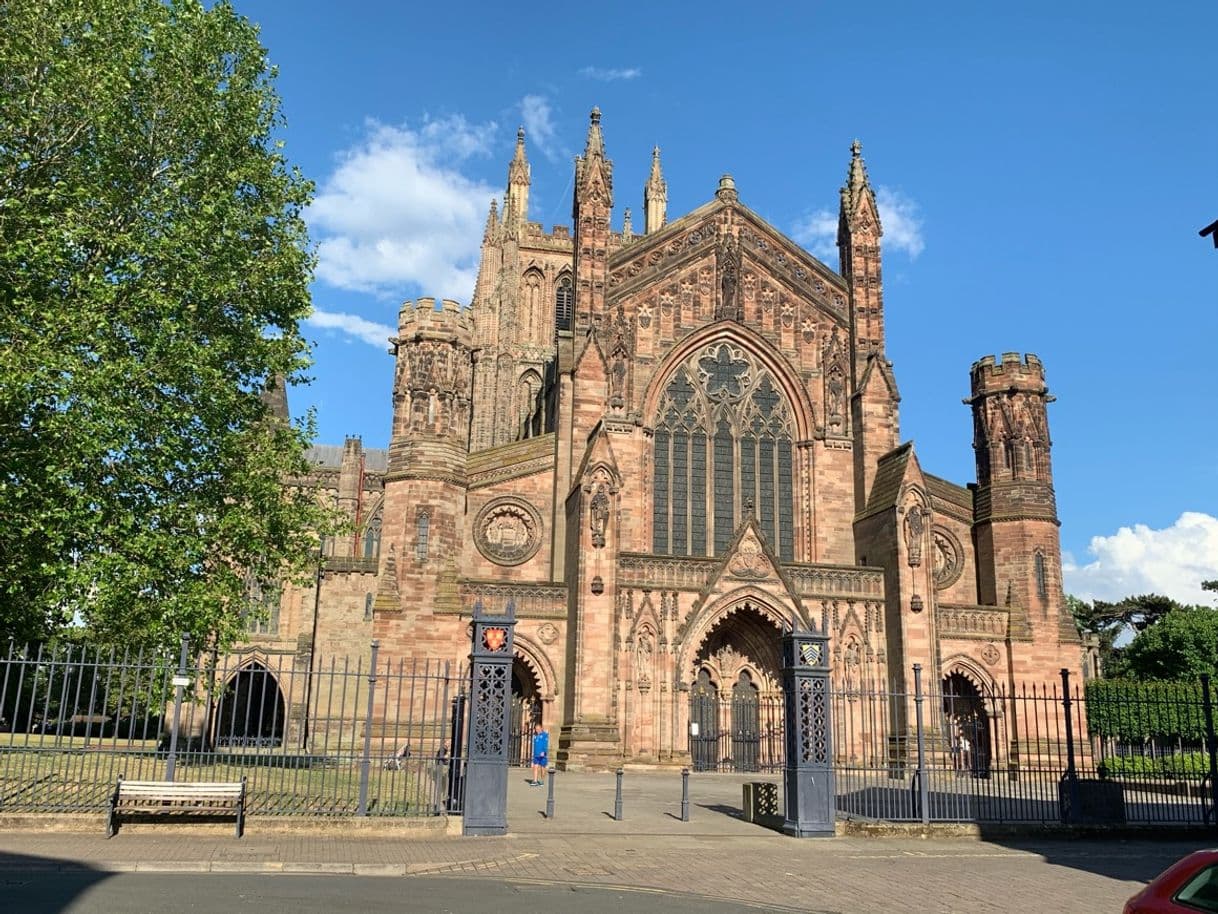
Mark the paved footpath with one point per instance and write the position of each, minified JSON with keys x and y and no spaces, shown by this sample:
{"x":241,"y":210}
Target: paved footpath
{"x":714,"y":855}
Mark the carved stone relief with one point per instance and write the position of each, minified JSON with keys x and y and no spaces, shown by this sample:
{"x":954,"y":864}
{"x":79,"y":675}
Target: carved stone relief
{"x":915,"y":533}
{"x":548,"y":633}
{"x":599,"y":512}
{"x":948,"y":557}
{"x":508,"y":530}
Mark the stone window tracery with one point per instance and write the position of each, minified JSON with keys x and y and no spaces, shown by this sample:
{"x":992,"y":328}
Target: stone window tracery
{"x":422,"y":535}
{"x":372,"y":537}
{"x":564,"y":302}
{"x":531,"y":299}
{"x":1042,"y":577}
{"x":722,"y":449}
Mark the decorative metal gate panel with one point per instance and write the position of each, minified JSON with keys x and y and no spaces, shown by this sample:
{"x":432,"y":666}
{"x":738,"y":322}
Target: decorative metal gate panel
{"x":746,"y":725}
{"x":704,"y":723}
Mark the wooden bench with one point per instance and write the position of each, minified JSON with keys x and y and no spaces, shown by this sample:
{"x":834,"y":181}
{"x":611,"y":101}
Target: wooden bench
{"x":145,"y":798}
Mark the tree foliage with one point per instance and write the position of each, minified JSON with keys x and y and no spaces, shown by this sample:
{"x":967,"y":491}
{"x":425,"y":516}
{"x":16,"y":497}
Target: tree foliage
{"x":153,"y":273}
{"x":1107,"y":621}
{"x":1180,"y":646}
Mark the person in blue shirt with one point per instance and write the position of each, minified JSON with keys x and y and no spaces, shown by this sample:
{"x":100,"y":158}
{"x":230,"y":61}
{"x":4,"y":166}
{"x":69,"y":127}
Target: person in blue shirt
{"x":541,"y":752}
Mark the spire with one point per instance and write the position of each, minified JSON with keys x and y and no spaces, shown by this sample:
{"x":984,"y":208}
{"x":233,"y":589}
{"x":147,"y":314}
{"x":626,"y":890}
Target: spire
{"x":595,"y":144}
{"x":857,"y":182}
{"x":627,"y":228}
{"x":655,"y":196}
{"x":593,"y":172}
{"x":516,"y":200}
{"x":275,"y":397}
{"x":492,"y":221}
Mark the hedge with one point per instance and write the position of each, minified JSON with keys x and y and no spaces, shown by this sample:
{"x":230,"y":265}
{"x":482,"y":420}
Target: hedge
{"x":1134,"y":711}
{"x":1179,"y":765}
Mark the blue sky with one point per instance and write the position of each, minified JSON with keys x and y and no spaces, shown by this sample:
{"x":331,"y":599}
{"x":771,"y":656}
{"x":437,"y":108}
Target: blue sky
{"x":1045,"y":169}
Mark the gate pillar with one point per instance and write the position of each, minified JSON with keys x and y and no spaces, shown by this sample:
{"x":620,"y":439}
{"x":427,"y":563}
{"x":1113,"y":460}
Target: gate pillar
{"x":490,"y":698}
{"x":810,"y":803}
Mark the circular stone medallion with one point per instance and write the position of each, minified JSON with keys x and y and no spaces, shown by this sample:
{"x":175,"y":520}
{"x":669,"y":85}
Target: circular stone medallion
{"x":508,"y":530}
{"x":948,"y":557}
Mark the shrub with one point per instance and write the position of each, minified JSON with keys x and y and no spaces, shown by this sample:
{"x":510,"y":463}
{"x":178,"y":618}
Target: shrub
{"x":1180,"y":765}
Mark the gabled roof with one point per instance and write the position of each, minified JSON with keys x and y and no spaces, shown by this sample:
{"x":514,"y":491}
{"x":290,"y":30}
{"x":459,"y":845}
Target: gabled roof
{"x":890,"y":474}
{"x":639,"y":262}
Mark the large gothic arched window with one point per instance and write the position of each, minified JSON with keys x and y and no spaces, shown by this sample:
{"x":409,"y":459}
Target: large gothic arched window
{"x":723,"y":448}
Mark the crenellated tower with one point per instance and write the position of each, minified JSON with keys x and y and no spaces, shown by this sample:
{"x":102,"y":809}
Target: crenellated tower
{"x":425,"y":484}
{"x":1015,"y":509}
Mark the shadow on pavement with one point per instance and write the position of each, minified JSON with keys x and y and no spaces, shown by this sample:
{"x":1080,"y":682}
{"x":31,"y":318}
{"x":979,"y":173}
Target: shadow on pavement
{"x":44,"y":885}
{"x":1135,"y":860}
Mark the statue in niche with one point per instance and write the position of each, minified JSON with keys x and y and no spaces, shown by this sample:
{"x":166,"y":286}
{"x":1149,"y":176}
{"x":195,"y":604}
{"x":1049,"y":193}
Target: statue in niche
{"x":727,"y":286}
{"x":617,"y":381}
{"x":643,"y":654}
{"x":915,"y":525}
{"x":850,"y":663}
{"x":599,"y":511}
{"x":835,"y":406}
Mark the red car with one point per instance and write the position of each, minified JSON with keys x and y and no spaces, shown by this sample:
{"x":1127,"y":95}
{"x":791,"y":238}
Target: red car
{"x":1186,"y":887}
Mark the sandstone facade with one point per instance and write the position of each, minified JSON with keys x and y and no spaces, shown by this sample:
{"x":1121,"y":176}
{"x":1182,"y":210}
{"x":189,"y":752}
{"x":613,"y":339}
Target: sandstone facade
{"x":662,"y":448}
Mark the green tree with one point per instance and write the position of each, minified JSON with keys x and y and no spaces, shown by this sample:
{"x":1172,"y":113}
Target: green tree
{"x":1109,"y":620}
{"x":1181,"y":645}
{"x":153,"y":273}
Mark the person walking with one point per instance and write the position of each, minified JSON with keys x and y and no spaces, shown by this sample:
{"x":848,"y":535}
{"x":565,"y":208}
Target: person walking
{"x":541,"y":752}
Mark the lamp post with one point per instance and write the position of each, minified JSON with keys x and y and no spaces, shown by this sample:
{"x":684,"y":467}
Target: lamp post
{"x":308,"y":699}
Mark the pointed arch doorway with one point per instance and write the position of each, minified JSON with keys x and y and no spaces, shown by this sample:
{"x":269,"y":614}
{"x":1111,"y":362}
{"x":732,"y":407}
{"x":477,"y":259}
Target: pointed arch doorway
{"x":526,"y":711}
{"x":735,"y":699}
{"x":251,"y":713}
{"x":968,"y":726}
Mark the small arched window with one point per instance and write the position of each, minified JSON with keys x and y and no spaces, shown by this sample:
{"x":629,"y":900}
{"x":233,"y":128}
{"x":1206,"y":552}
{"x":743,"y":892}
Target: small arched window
{"x":564,"y":303}
{"x":367,"y":607}
{"x":422,"y":535}
{"x":1042,"y":577}
{"x":372,"y":537}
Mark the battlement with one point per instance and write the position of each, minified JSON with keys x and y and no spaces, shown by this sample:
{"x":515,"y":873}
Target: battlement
{"x":423,"y":320}
{"x":1012,"y":370}
{"x":535,"y":233}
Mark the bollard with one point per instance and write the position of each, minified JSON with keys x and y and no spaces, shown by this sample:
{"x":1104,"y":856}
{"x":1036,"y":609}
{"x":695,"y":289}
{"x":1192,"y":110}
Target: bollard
{"x":684,"y":794}
{"x":617,"y":801}
{"x":550,"y":796}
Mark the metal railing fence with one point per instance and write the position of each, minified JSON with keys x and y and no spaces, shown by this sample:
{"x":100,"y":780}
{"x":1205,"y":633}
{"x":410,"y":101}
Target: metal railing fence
{"x":313,"y":736}
{"x":953,"y":753}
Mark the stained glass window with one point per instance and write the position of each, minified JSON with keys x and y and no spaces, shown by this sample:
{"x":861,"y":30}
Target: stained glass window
{"x":723,"y":451}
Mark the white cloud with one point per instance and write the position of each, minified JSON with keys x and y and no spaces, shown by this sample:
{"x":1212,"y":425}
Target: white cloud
{"x":818,"y":233}
{"x":538,"y":120}
{"x":899,"y":217}
{"x":900,"y":220}
{"x":609,"y":74}
{"x":367,"y":331}
{"x":397,"y":210}
{"x":1137,"y":560}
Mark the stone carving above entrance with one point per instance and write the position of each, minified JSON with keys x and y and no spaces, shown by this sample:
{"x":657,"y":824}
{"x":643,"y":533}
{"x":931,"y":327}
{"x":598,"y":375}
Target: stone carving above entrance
{"x":948,"y":557}
{"x":508,"y":530}
{"x":750,"y":560}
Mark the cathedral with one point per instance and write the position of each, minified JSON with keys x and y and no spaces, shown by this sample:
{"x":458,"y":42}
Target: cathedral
{"x":662,"y":447}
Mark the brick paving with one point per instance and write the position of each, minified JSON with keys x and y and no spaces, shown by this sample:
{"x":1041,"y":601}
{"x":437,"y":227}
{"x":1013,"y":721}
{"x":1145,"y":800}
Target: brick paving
{"x":714,"y":855}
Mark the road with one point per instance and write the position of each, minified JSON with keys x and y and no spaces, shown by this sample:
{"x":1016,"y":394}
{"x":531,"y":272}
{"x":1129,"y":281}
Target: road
{"x":188,"y":893}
